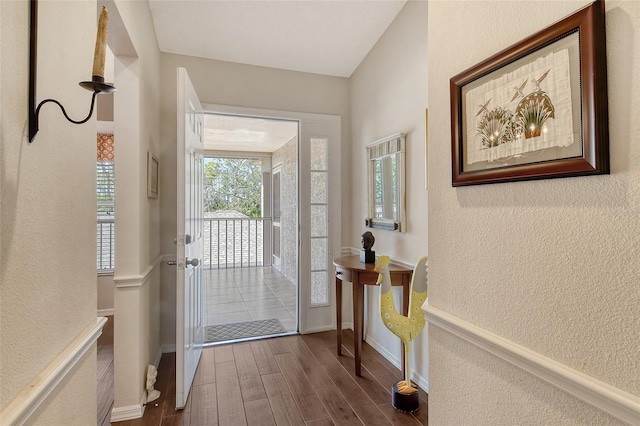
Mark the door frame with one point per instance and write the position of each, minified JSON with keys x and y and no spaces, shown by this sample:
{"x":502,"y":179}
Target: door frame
{"x":327,"y":321}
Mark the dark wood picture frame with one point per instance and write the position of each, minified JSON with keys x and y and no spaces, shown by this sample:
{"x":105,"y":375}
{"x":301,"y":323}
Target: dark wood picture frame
{"x":581,"y":39}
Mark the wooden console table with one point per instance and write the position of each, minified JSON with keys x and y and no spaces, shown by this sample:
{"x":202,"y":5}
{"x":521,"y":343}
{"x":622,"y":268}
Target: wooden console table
{"x":349,"y":268}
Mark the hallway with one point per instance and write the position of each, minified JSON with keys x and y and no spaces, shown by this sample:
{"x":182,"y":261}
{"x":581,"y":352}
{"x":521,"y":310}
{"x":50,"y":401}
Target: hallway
{"x":291,"y":380}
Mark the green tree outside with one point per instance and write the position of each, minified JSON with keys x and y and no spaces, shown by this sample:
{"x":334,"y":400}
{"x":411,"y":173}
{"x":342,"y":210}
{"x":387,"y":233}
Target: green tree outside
{"x":233,"y":184}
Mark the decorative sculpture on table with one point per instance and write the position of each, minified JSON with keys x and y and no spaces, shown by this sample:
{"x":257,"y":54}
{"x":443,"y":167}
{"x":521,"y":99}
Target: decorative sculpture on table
{"x":404,"y":396}
{"x":367,"y":255}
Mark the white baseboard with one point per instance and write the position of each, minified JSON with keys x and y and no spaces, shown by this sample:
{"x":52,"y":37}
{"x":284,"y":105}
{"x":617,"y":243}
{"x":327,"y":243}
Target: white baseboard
{"x":383,"y":351}
{"x":393,"y":359}
{"x":156,"y":363}
{"x":130,"y":412}
{"x":36,"y":392}
{"x":318,"y":329}
{"x":167,"y":349}
{"x":106,"y":312}
{"x":611,"y":400}
{"x":347,"y":325}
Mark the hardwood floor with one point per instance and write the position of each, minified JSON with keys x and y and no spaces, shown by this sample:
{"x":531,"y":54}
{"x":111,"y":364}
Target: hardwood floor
{"x":292,"y":380}
{"x":104,"y":373}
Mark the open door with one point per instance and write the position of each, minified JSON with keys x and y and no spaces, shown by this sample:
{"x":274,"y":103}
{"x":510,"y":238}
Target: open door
{"x":189,"y":240}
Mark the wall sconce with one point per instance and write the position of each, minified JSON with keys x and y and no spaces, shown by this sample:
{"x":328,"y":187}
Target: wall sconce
{"x":97,"y":83}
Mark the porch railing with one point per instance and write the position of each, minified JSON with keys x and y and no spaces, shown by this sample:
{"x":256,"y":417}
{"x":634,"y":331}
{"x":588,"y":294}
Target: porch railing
{"x":106,"y":245}
{"x":234,"y":242}
{"x":228,"y":242}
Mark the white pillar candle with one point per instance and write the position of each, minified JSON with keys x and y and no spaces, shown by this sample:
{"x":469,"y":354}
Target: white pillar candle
{"x":101,"y":44}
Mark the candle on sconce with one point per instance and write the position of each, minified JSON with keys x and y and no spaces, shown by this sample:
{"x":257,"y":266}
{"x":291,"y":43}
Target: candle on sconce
{"x":101,"y":45}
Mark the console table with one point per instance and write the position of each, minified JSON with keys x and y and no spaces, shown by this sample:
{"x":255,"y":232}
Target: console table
{"x":349,"y":268}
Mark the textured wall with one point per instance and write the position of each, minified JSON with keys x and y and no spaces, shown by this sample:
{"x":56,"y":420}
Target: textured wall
{"x":287,"y":158}
{"x":47,"y":212}
{"x":389,"y":95}
{"x":137,"y":127}
{"x":550,"y":264}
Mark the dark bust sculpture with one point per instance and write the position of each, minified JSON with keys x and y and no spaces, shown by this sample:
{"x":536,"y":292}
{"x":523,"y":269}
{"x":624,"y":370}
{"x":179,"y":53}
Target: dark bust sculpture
{"x":367,"y":255}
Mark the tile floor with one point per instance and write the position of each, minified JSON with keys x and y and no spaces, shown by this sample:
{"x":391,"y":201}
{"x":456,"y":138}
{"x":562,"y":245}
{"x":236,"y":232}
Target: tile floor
{"x":248,"y":294}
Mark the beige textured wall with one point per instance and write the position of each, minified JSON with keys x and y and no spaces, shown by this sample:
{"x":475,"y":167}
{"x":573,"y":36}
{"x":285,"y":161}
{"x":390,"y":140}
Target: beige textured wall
{"x":226,"y":83}
{"x":47,"y":211}
{"x":551,"y":264}
{"x":389,"y":95}
{"x":287,"y":158}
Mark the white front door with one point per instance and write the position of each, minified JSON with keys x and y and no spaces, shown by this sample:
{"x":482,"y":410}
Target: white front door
{"x":189,"y":321}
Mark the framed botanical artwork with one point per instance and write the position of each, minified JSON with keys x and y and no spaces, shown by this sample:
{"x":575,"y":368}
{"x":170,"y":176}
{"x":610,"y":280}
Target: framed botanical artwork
{"x":152,"y":175}
{"x":536,"y":110}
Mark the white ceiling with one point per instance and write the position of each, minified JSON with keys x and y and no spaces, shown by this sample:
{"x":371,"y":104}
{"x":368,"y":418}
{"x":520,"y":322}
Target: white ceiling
{"x":329,"y":37}
{"x":317,"y":36}
{"x":230,"y":133}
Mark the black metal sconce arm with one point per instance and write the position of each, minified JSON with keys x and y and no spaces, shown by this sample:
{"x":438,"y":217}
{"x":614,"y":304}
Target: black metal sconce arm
{"x":97,"y":84}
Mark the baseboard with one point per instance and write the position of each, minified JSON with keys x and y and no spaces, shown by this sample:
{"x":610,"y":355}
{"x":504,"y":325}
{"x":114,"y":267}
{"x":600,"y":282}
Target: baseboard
{"x":36,"y":392}
{"x":130,"y":412}
{"x":156,"y":363}
{"x":318,"y":329}
{"x":347,"y":325}
{"x":611,"y":400}
{"x":420,"y":381}
{"x":106,"y":312}
{"x":383,"y":351}
{"x":167,"y":349}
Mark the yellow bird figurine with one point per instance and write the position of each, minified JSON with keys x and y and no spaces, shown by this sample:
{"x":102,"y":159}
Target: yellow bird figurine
{"x":405,"y":327}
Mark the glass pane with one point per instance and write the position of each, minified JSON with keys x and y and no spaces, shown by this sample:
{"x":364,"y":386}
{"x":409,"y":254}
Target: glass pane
{"x":318,"y":154}
{"x":319,"y":288}
{"x":318,"y":187}
{"x":319,"y":221}
{"x":318,"y":254}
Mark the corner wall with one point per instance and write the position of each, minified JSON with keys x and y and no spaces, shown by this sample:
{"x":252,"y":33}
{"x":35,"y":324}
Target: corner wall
{"x":389,"y":95}
{"x":47,"y":211}
{"x":551,"y":265}
{"x":137,"y":267}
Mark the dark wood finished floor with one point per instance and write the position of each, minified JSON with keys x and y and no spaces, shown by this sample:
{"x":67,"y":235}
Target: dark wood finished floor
{"x":104,"y":373}
{"x":292,"y":380}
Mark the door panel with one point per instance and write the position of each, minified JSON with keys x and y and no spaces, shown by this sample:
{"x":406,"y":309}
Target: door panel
{"x":189,"y":313}
{"x":319,"y":177}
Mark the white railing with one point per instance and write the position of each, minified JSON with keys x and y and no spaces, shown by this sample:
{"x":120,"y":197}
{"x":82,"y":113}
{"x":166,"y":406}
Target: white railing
{"x":106,"y":244}
{"x":228,"y":242}
{"x":234,"y":242}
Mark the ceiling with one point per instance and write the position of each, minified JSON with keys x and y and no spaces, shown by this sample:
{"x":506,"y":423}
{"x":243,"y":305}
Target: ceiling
{"x":231,"y":133}
{"x":329,"y":37}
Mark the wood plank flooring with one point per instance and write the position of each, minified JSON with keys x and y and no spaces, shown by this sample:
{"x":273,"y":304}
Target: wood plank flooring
{"x":292,"y":380}
{"x":104,"y":373}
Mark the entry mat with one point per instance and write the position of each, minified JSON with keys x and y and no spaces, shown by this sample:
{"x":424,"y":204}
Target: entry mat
{"x":242,"y":330}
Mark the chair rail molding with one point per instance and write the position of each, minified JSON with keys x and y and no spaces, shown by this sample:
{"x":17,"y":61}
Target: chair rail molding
{"x":36,"y":392}
{"x":608,"y":398}
{"x":122,"y":281}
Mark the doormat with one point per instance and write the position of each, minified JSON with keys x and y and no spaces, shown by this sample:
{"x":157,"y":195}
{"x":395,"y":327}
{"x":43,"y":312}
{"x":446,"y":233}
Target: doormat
{"x":242,"y":330}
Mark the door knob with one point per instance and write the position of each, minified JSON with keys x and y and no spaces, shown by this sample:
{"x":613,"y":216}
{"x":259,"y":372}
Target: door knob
{"x":193,"y":262}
